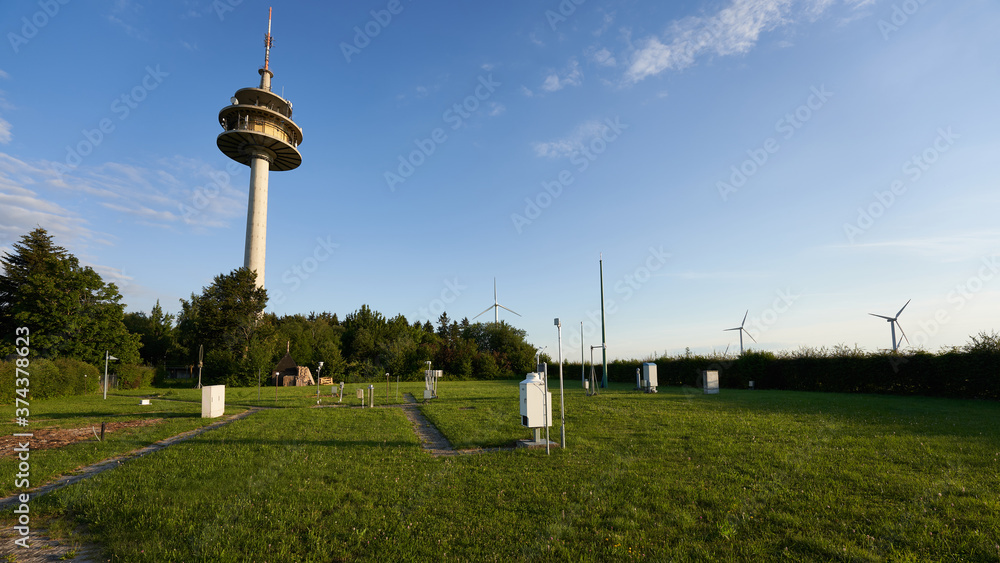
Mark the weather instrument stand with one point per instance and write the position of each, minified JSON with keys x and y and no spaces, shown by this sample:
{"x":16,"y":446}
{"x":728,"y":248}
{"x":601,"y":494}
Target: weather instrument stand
{"x":593,"y":376}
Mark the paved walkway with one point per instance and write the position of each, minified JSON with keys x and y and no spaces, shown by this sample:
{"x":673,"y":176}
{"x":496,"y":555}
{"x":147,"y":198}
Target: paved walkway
{"x":430,"y":437}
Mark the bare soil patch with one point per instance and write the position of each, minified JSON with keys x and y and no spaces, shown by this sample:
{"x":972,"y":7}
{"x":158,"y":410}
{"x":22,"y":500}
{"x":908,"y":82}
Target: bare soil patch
{"x":50,"y":438}
{"x":44,"y":548}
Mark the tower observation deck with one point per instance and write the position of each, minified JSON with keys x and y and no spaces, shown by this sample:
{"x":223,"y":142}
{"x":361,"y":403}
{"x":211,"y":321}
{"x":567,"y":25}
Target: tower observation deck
{"x":258,"y":131}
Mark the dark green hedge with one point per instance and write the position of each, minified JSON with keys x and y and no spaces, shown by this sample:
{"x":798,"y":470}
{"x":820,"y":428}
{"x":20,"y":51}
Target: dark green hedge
{"x":47,"y":378}
{"x":965,"y":375}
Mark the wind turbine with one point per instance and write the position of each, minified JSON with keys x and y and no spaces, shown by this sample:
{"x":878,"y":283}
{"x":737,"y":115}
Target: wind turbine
{"x":742,"y":330}
{"x":893,"y":323}
{"x":496,"y":306}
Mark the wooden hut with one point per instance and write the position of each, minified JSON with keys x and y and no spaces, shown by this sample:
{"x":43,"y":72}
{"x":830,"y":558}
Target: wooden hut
{"x":290,"y":374}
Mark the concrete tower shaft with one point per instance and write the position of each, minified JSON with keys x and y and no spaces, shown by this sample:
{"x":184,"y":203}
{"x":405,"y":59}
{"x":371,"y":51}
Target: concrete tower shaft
{"x":256,"y":244}
{"x":258,"y":131}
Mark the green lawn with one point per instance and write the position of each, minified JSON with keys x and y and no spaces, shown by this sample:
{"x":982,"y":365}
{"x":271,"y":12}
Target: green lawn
{"x":286,"y":396}
{"x":89,"y":412}
{"x":746,"y":476}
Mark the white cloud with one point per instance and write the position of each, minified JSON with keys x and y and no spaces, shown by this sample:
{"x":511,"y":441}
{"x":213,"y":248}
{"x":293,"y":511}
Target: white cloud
{"x":175,"y":191}
{"x":602,"y":56}
{"x":733,"y":30}
{"x":814,"y":10}
{"x":113,"y":275}
{"x":606,"y":22}
{"x":572,"y":76}
{"x":142,"y":211}
{"x":497,"y":109}
{"x":33,"y":194}
{"x":551,"y":83}
{"x":574,"y":142}
{"x":130,"y":29}
{"x":5,"y":126}
{"x":129,"y":10}
{"x":22,"y":209}
{"x":946,"y":249}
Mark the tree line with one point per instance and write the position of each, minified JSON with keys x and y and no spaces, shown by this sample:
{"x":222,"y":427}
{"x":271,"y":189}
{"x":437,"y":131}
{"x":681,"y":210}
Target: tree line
{"x":73,"y":313}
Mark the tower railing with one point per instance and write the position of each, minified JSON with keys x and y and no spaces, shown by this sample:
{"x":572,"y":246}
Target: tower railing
{"x":270,"y":127}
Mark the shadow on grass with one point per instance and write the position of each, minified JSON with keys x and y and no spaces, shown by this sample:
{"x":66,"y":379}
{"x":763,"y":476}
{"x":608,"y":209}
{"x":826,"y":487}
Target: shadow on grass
{"x":926,"y":416}
{"x":106,"y":416}
{"x":216,"y":442}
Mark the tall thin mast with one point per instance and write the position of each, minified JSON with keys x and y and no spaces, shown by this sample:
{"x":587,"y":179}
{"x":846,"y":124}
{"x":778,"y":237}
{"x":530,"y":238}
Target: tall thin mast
{"x":268,"y":41}
{"x":604,"y":343}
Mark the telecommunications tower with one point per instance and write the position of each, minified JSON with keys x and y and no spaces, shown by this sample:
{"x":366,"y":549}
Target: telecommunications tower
{"x":258,"y":131}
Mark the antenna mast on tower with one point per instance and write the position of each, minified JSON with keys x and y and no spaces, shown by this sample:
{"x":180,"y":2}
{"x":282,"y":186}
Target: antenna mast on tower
{"x":268,"y":41}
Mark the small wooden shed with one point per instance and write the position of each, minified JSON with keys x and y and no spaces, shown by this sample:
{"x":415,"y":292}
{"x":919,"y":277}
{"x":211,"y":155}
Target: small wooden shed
{"x":290,"y":374}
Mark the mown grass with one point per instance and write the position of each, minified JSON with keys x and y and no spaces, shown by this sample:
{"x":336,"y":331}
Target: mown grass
{"x":743,"y":476}
{"x":89,"y":412}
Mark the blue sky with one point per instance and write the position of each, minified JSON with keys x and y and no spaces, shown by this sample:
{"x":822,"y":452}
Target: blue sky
{"x":810,"y":161}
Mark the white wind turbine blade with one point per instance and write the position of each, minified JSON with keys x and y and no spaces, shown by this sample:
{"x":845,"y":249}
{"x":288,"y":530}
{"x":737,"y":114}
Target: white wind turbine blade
{"x":748,"y":334}
{"x":744,"y":318}
{"x":882,"y":317}
{"x":511,"y":310}
{"x":901,"y":310}
{"x":901,"y":331}
{"x":486,"y":311}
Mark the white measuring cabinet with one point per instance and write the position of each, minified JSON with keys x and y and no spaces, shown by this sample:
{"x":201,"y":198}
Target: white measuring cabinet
{"x":536,"y":403}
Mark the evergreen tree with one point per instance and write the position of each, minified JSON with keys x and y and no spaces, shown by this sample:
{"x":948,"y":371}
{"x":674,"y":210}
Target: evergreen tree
{"x":157,"y":335}
{"x":226,"y":315}
{"x":228,"y":320}
{"x":443,"y":322}
{"x":70,"y":311}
